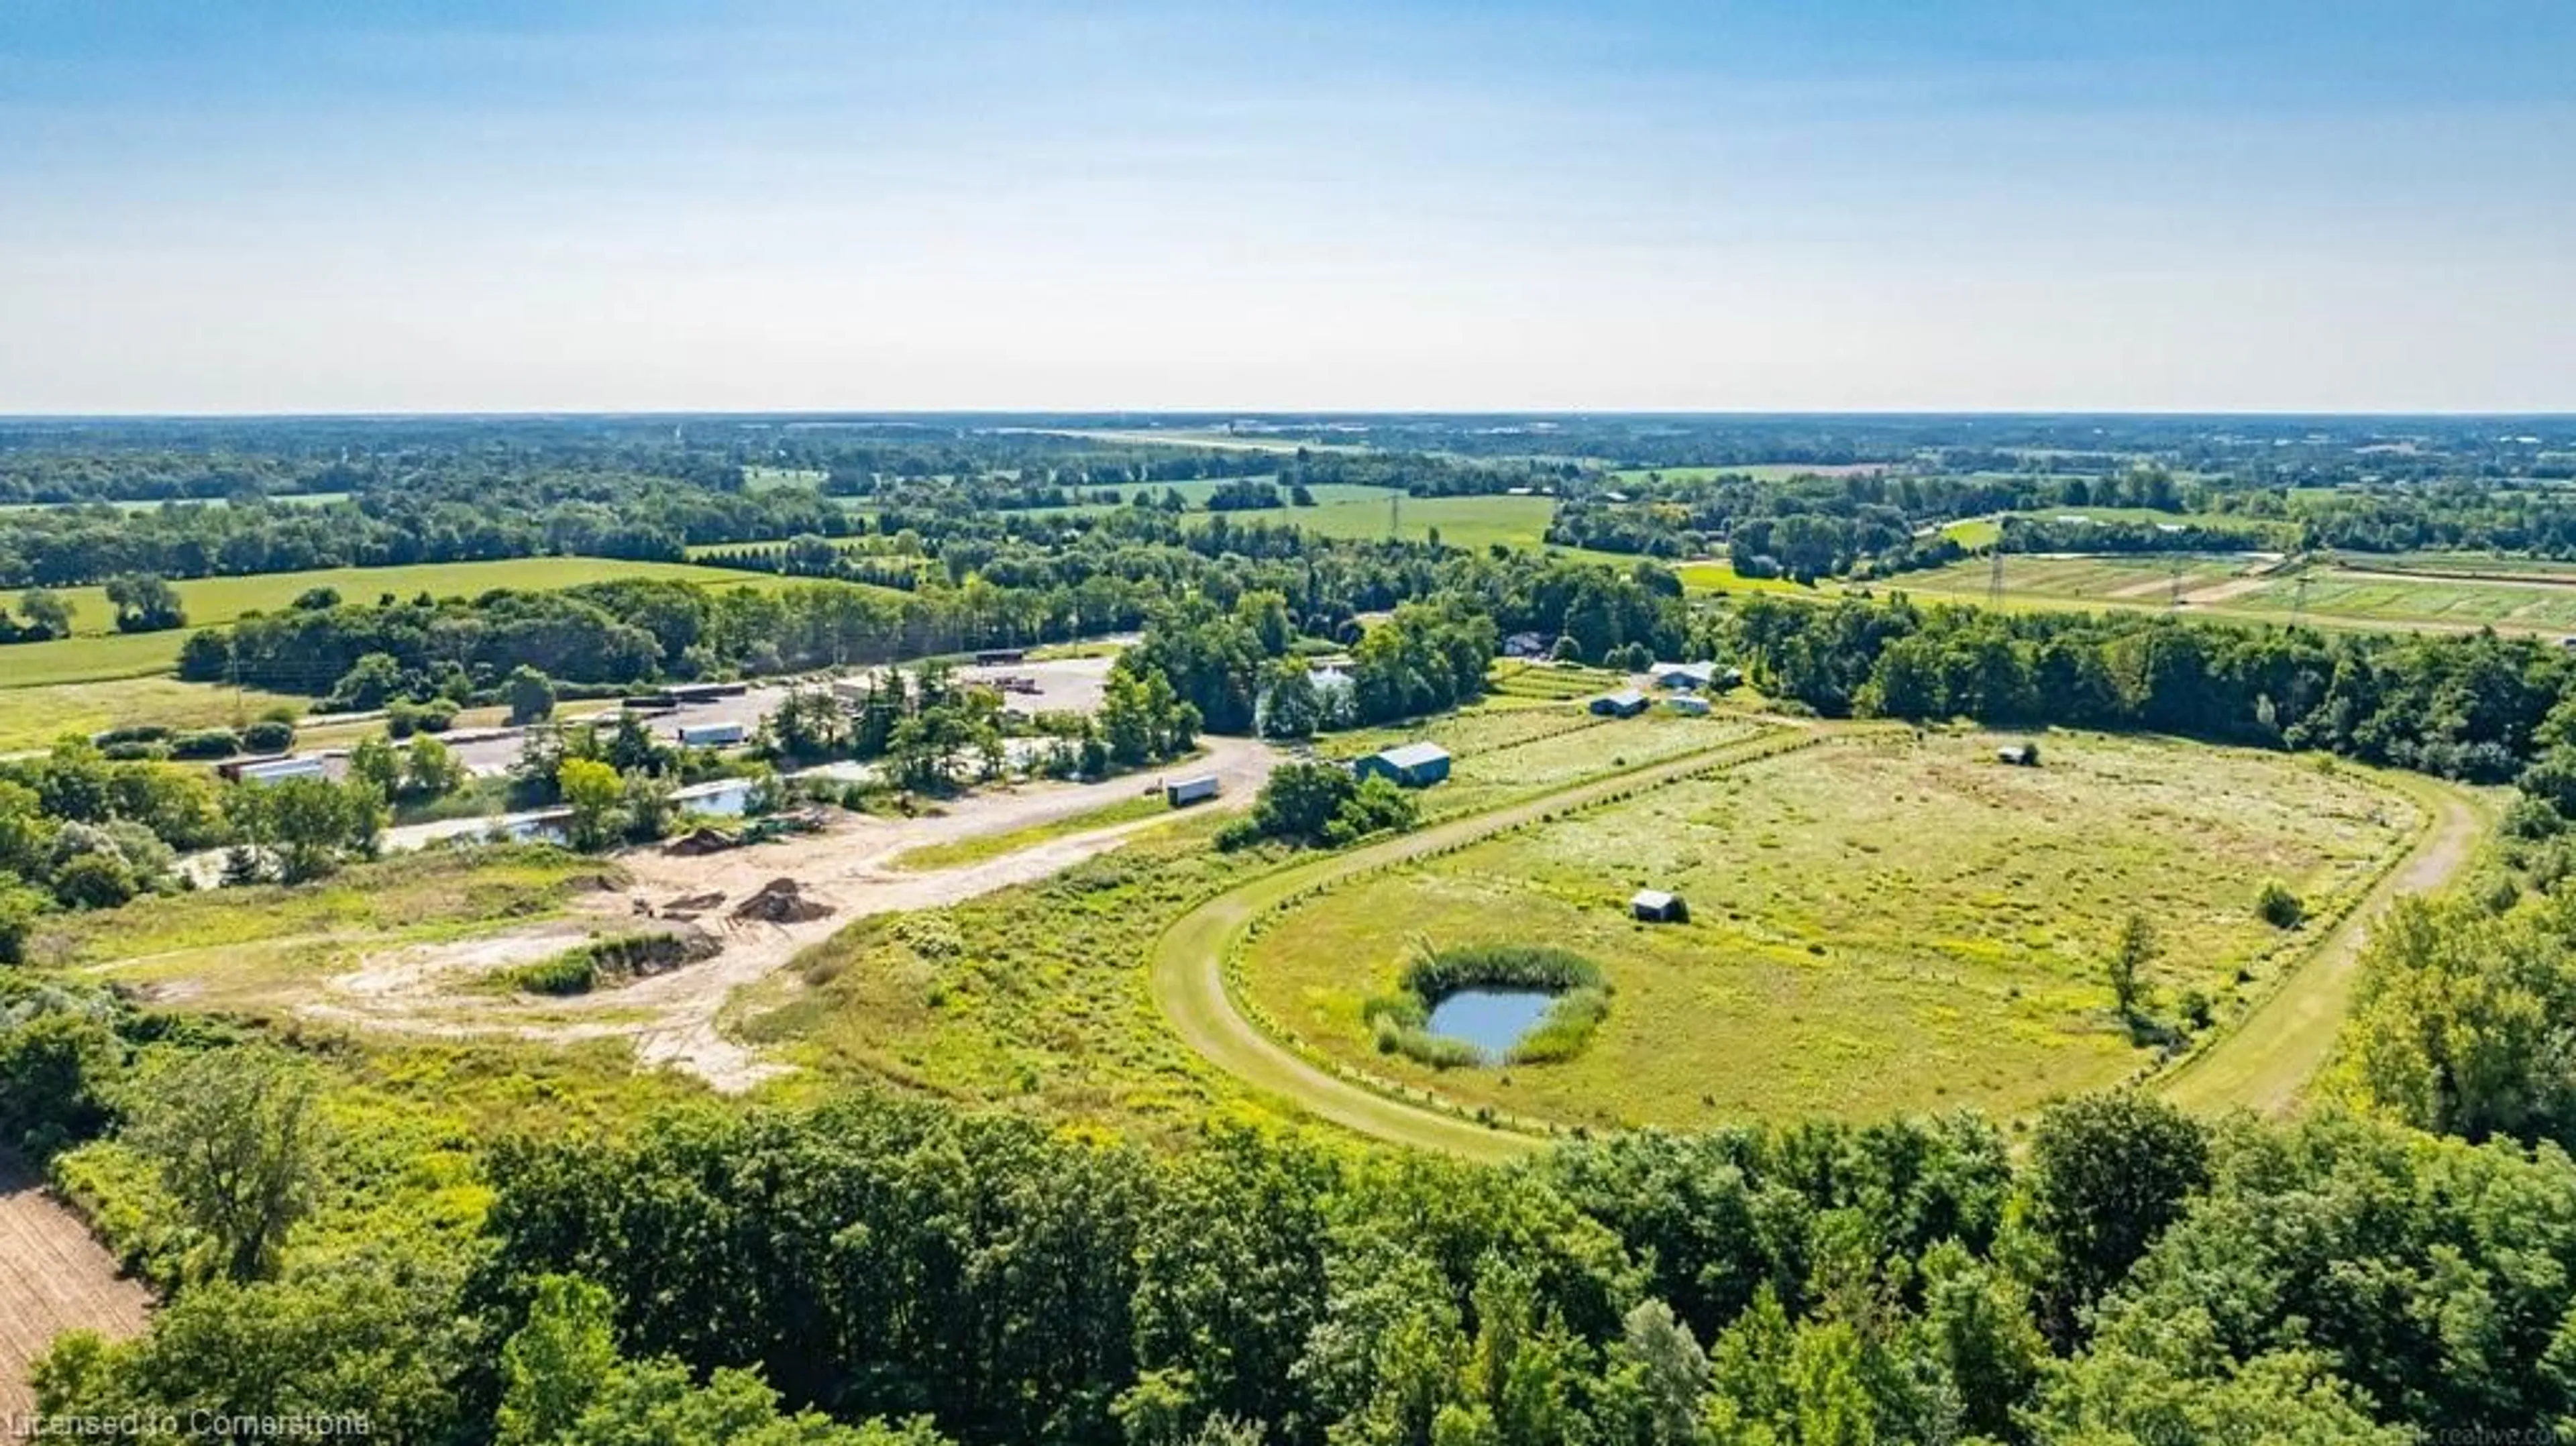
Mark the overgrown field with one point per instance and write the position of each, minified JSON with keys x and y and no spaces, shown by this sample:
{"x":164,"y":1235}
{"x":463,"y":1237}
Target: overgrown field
{"x":1033,"y":997}
{"x":1879,"y":925}
{"x":246,"y":948}
{"x":32,"y":717}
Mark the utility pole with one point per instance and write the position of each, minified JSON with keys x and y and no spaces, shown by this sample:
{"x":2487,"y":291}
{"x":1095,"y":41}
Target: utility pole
{"x":2299,"y":598}
{"x":1995,"y":566}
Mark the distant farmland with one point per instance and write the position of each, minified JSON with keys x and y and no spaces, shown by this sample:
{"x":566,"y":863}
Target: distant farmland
{"x":1469,"y":522}
{"x":2526,"y":597}
{"x":99,"y":651}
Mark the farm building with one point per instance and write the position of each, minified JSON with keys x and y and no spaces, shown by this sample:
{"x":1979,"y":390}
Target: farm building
{"x":1182,"y":792}
{"x":723,"y":733}
{"x":1684,"y":675}
{"x":2019,"y":755}
{"x":1525,"y":645}
{"x":273,"y":770}
{"x":1654,"y":906}
{"x":1626,"y":703}
{"x":1408,"y":765}
{"x":1684,"y":703}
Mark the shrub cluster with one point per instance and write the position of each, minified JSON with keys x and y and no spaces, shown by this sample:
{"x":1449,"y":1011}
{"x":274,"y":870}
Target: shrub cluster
{"x":1401,"y":1021}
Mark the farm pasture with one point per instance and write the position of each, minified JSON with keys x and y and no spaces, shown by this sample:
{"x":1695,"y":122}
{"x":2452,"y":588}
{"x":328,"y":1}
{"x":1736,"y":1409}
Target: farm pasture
{"x":1880,"y":923}
{"x":1501,"y":753}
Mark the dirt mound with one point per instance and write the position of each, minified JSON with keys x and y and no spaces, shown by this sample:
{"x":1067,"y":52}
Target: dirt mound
{"x":689,"y":906}
{"x":781,"y":901}
{"x":697,"y":843}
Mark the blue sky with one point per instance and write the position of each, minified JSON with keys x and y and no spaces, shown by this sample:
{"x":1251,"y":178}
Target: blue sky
{"x":2354,"y":206}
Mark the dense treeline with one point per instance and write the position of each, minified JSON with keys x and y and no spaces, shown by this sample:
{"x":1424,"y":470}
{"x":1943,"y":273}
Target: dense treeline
{"x":2478,"y":706}
{"x":2138,"y":1278}
{"x":1112,"y":578}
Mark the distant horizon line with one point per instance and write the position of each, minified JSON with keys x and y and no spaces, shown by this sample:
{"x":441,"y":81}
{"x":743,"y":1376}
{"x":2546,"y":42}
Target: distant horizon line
{"x":1272,"y":414}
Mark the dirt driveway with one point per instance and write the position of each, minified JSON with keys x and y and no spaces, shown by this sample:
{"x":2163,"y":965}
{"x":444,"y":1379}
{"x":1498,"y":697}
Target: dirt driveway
{"x":672,"y":1018}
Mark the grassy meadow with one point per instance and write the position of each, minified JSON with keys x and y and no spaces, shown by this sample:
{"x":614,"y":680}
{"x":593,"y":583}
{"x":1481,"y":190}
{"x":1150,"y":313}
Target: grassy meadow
{"x":100,"y":678}
{"x":34,"y":716}
{"x":1879,"y":925}
{"x":1500,"y":753}
{"x":244,"y":948}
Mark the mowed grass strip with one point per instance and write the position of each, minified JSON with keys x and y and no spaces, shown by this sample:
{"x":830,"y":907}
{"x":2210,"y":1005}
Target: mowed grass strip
{"x":1879,"y":925}
{"x":960,"y":852}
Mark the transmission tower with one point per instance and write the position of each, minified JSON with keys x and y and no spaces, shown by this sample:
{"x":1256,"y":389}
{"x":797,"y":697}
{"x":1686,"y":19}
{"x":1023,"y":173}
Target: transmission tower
{"x":1995,"y":566}
{"x":1395,"y":516}
{"x":2174,"y":569}
{"x":2299,"y":598}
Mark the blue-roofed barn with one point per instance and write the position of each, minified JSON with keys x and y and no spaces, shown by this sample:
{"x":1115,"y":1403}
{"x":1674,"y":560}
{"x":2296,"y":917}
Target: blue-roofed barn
{"x":1409,"y":765}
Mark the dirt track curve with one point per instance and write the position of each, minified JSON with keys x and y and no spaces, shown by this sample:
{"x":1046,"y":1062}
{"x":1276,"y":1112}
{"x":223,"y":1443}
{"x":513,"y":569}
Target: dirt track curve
{"x":1188,"y":974}
{"x":2267,"y":1061}
{"x":2263,"y":1064}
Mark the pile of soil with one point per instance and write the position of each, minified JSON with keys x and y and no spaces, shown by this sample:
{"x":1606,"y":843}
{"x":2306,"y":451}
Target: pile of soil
{"x":781,"y":901}
{"x":689,"y":906}
{"x":701,"y":841}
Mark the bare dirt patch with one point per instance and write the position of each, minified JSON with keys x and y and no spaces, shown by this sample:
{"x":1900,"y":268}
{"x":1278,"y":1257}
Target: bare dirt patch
{"x":762,"y":905}
{"x":2234,"y":587}
{"x":53,"y":1278}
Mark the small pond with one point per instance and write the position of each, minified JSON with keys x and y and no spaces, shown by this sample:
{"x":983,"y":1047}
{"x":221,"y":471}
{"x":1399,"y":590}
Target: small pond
{"x":1493,"y":1020}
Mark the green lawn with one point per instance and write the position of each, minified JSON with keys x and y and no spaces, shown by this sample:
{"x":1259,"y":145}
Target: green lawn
{"x":1718,"y":575}
{"x":1879,"y":924}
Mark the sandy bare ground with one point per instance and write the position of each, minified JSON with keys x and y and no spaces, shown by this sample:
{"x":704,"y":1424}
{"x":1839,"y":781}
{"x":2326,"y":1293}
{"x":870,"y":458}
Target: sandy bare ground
{"x":2234,"y":587}
{"x":2147,"y":587}
{"x":53,"y":1278}
{"x":673,"y":1018}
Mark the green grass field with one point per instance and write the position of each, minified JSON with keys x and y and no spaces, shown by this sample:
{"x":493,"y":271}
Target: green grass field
{"x":98,"y":651}
{"x":1880,"y":924}
{"x":1758,"y":471}
{"x":1469,"y":522}
{"x":1140,"y":806}
{"x":1720,"y":576}
{"x":32,"y":717}
{"x":1504,"y":752}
